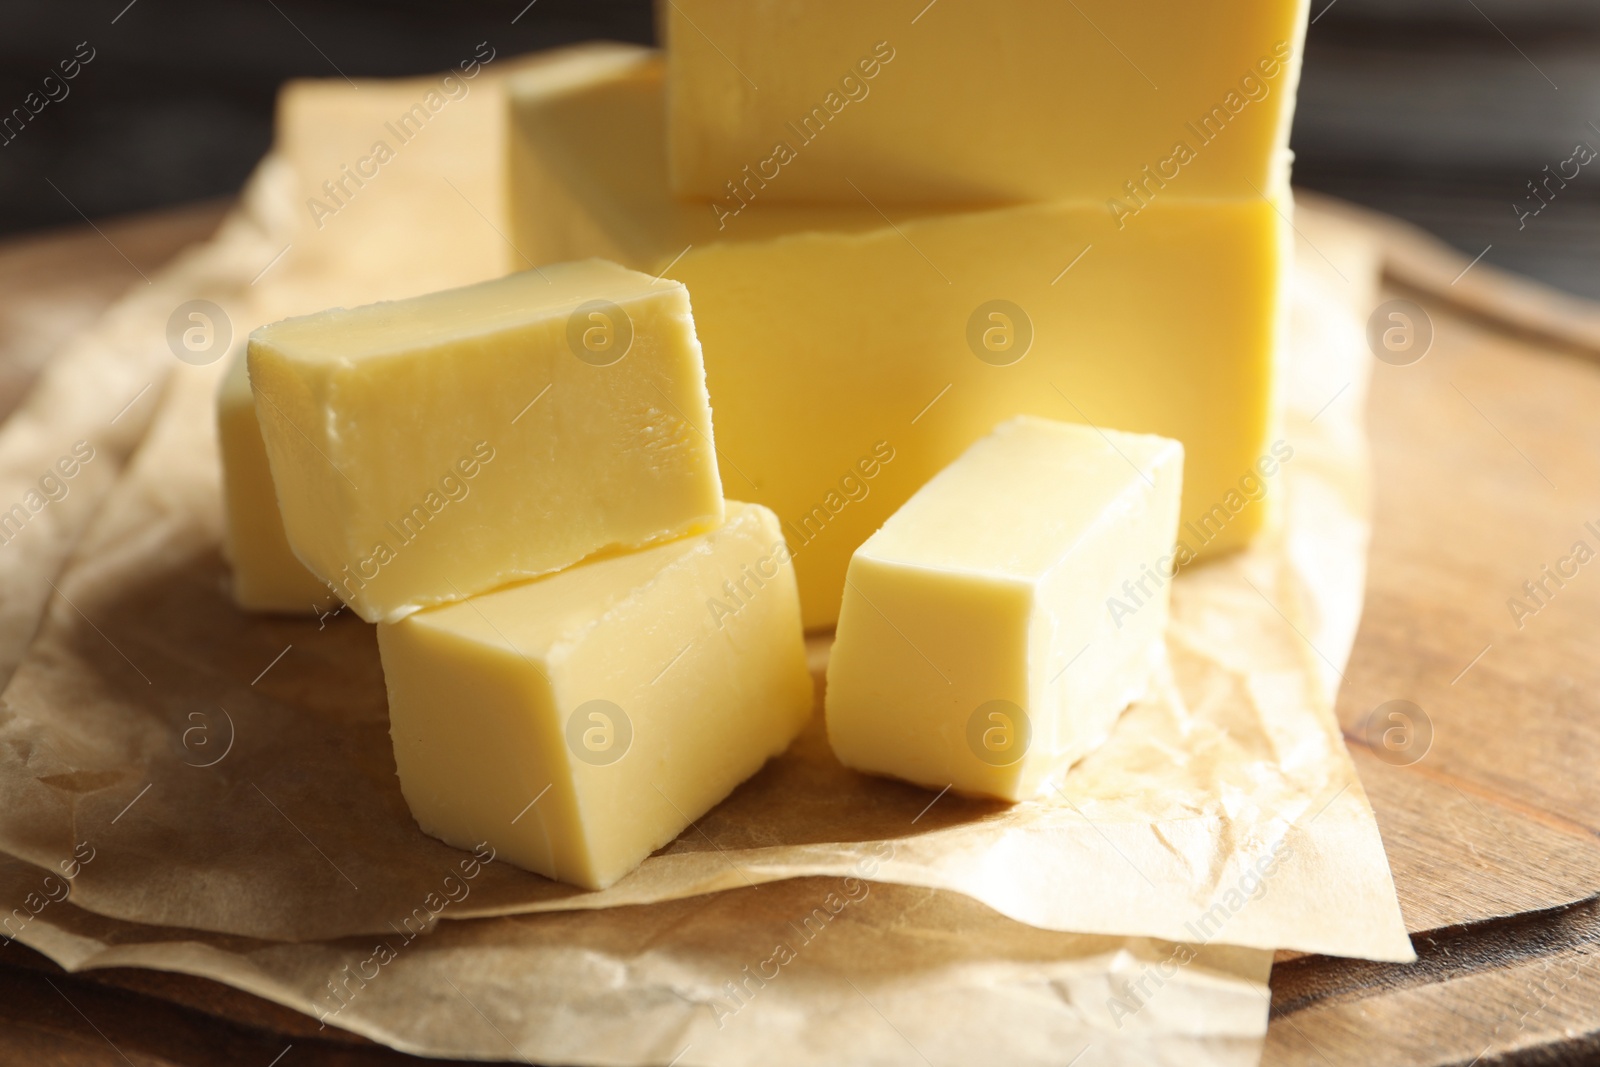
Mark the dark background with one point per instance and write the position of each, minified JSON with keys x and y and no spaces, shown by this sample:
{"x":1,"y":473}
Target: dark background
{"x":1440,"y":111}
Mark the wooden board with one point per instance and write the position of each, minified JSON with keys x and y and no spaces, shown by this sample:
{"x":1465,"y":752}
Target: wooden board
{"x":1486,"y":459}
{"x":1487,"y":467}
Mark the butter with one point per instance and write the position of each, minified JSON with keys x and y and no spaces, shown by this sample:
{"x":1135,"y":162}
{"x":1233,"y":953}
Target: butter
{"x":1001,"y":620}
{"x":266,"y":574}
{"x":852,"y":354}
{"x":1007,"y":100}
{"x":429,"y":449}
{"x":581,"y":721}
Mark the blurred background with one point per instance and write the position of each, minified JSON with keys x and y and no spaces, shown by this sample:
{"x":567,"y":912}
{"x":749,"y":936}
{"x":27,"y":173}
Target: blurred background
{"x":1444,"y":112}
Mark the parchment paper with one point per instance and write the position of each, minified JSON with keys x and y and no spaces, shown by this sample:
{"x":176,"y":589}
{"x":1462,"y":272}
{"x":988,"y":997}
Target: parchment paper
{"x":102,"y":390}
{"x":234,"y":772}
{"x":897,"y":976}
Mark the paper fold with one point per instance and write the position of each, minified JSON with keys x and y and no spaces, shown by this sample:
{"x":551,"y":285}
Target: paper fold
{"x":804,"y":972}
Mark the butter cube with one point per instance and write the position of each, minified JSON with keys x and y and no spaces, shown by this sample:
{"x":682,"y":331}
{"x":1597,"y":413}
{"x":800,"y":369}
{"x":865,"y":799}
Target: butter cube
{"x":429,"y":449}
{"x":998,"y":624}
{"x":580,"y":721}
{"x":853,"y":354}
{"x":1006,"y":100}
{"x":266,"y":574}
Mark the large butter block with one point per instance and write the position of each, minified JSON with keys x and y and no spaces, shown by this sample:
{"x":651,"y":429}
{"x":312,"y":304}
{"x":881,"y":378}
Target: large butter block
{"x":960,"y":102}
{"x":266,"y":574}
{"x":852,"y":354}
{"x":428,"y":449}
{"x":1001,"y":620}
{"x":581,"y":721}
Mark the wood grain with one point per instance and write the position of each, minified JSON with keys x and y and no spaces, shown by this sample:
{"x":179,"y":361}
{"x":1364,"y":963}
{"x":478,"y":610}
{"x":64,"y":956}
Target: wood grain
{"x":1487,"y":466}
{"x":1523,"y":990}
{"x":1486,"y":461}
{"x":1487,"y":469}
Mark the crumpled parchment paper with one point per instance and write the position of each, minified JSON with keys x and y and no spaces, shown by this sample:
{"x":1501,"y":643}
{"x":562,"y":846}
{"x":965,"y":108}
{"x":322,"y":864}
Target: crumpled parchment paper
{"x":812,"y":971}
{"x":234,"y":772}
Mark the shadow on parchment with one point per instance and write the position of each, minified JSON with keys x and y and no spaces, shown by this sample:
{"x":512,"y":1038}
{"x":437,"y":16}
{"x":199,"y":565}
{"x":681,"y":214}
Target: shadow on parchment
{"x":273,"y":808}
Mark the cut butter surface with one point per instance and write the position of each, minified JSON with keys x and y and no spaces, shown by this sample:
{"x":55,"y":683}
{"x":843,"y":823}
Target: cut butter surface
{"x":429,"y":449}
{"x":581,"y":721}
{"x":1001,"y":620}
{"x":266,"y":574}
{"x":960,"y":102}
{"x":854,"y":351}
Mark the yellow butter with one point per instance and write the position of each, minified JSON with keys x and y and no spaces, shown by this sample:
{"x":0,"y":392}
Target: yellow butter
{"x":266,"y":574}
{"x":996,"y":626}
{"x":960,"y":102}
{"x":852,"y":354}
{"x":429,"y":449}
{"x":581,"y":721}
